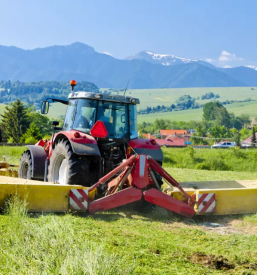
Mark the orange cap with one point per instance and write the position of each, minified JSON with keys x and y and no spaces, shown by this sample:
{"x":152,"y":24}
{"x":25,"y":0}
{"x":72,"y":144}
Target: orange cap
{"x":73,"y":83}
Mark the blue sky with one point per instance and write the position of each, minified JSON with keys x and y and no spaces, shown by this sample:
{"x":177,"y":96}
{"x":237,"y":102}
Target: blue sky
{"x":222,"y":32}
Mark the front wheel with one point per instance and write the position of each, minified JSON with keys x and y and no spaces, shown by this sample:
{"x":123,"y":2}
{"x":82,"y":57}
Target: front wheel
{"x":68,"y":168}
{"x":25,"y":166}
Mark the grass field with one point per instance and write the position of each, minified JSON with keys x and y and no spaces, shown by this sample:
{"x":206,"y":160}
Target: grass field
{"x":249,"y":108}
{"x":123,"y":241}
{"x":154,"y":97}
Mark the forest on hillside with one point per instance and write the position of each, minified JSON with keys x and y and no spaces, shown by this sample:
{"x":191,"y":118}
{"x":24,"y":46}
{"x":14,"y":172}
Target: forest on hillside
{"x":34,"y":92}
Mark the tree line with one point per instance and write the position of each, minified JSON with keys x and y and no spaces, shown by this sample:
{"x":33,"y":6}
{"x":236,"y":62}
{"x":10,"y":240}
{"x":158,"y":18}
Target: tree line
{"x":186,"y":102}
{"x":35,"y":92}
{"x":217,"y":123}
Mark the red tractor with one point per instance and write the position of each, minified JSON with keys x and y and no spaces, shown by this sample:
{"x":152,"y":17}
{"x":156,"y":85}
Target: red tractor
{"x":98,"y":147}
{"x":98,"y":134}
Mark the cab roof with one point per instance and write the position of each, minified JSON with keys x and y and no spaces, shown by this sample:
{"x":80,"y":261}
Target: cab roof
{"x":105,"y":97}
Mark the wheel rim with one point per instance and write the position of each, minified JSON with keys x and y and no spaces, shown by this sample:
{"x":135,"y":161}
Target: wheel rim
{"x":60,"y":170}
{"x":24,"y":170}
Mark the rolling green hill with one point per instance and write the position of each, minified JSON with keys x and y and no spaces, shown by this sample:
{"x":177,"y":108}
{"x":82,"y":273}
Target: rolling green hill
{"x":154,"y":97}
{"x":249,"y":108}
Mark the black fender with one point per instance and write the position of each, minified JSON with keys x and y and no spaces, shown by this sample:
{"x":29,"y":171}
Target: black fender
{"x":157,"y":155}
{"x":85,"y":149}
{"x":38,"y":157}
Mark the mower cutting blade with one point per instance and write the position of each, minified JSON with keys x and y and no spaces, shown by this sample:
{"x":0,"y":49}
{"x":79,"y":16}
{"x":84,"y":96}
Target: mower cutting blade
{"x":156,"y":197}
{"x":120,"y":198}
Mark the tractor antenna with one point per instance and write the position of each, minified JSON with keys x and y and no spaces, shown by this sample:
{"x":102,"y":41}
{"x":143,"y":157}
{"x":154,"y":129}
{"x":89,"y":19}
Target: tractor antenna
{"x":126,"y":88}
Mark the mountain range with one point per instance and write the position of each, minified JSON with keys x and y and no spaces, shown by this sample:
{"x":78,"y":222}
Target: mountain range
{"x":144,"y":70}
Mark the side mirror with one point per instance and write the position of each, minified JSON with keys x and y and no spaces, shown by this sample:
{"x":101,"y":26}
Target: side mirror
{"x":55,"y":123}
{"x":44,"y":107}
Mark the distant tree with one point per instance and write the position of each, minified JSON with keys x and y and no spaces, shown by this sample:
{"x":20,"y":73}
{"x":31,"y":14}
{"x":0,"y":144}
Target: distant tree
{"x":245,"y":133}
{"x":244,"y":118}
{"x":236,"y":123}
{"x":186,"y":101}
{"x":219,"y":132}
{"x":208,"y":110}
{"x":32,"y":134}
{"x":222,"y":117}
{"x":253,"y":139}
{"x":197,"y":138}
{"x":15,"y":121}
{"x":215,"y":111}
{"x":237,"y":139}
{"x":41,"y":122}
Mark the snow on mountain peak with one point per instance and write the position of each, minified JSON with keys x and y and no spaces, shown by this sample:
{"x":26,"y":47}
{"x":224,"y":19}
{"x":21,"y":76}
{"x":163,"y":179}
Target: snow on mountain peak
{"x":251,"y":67}
{"x":163,"y":59}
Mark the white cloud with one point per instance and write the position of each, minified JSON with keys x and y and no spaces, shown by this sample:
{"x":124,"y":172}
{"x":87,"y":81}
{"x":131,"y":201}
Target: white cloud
{"x":209,"y":60}
{"x":227,"y":57}
{"x":108,"y":53}
{"x":227,"y":66}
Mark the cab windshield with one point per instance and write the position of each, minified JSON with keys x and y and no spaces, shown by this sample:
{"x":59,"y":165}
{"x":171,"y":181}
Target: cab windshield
{"x":82,"y":114}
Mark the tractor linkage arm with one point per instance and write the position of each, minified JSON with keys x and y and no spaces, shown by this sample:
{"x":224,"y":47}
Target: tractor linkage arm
{"x":134,"y":180}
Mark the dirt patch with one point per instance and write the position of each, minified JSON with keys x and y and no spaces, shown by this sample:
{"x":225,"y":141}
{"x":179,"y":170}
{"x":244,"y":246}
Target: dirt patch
{"x":218,"y":262}
{"x":232,"y":226}
{"x":211,"y":261}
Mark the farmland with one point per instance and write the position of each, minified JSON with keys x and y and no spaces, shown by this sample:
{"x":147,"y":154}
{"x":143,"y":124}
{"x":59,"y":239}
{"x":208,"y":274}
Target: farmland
{"x":154,"y":97}
{"x":249,"y":108}
{"x":123,"y":241}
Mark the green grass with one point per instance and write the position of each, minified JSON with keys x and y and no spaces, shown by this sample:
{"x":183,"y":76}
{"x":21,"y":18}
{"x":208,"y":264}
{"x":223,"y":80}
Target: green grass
{"x":240,"y":160}
{"x":211,"y":159}
{"x":12,"y":154}
{"x":123,"y":241}
{"x":117,"y":242}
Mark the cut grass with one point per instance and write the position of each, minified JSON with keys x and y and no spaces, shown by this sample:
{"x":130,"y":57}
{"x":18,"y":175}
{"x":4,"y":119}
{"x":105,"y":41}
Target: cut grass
{"x":117,"y":242}
{"x":122,"y":241}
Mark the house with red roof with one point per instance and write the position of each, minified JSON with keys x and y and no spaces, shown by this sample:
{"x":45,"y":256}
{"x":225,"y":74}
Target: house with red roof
{"x":248,"y":141}
{"x":171,"y":142}
{"x":173,"y":133}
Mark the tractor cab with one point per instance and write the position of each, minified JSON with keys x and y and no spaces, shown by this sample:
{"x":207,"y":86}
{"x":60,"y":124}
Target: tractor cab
{"x":118,"y":114}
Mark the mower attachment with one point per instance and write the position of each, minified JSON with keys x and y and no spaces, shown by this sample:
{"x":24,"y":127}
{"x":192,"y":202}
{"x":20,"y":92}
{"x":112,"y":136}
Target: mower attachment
{"x":135,"y":180}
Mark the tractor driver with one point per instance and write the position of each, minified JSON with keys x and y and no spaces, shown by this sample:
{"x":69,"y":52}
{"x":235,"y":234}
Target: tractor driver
{"x":81,"y":121}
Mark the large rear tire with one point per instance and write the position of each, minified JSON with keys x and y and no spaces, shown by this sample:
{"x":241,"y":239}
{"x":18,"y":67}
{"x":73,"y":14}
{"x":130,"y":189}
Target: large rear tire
{"x":67,"y":168}
{"x":25,"y":166}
